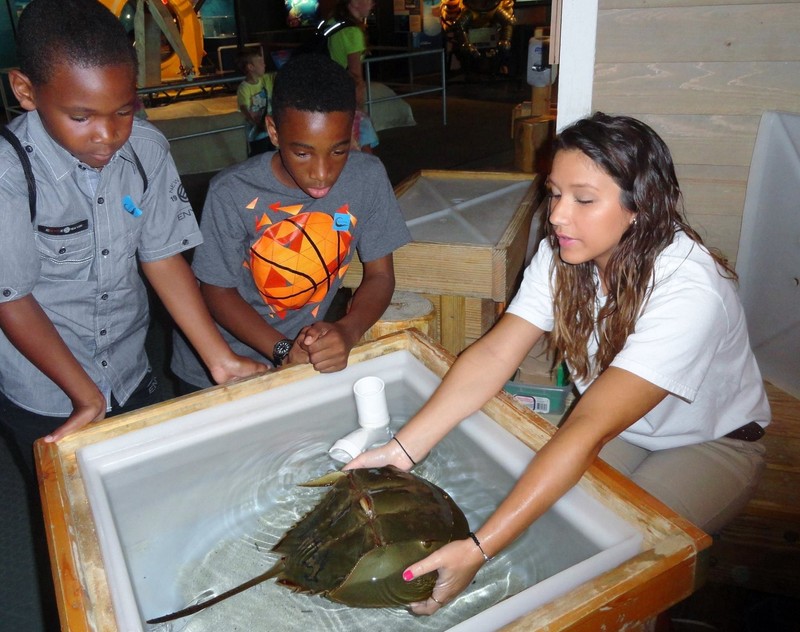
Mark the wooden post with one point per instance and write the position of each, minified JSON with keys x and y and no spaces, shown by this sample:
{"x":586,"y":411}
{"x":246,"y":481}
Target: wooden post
{"x":148,"y":46}
{"x":540,"y":100}
{"x":532,"y":136}
{"x":407,"y":310}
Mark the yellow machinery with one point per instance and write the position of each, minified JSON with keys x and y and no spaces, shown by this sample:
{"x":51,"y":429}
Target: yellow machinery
{"x":181,"y":35}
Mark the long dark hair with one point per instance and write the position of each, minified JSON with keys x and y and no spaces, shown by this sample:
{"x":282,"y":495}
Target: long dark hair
{"x":341,"y":13}
{"x":640,"y":163}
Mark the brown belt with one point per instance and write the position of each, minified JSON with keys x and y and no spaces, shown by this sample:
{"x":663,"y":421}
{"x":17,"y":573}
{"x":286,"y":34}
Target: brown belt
{"x":749,"y":432}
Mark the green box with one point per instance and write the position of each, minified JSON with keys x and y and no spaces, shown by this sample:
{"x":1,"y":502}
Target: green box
{"x":540,"y":399}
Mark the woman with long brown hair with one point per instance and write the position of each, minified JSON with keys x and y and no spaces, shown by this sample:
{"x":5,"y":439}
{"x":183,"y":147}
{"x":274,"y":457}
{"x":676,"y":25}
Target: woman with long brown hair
{"x":650,"y":325}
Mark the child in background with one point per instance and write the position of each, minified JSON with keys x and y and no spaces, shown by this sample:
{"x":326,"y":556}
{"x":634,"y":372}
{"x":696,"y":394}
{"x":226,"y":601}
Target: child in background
{"x":347,"y":47}
{"x":73,"y":306}
{"x":281,"y":228}
{"x":254,"y":97}
{"x":650,"y":325}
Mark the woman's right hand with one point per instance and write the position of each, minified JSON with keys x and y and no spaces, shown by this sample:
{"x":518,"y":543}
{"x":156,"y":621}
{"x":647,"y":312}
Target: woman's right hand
{"x":388,"y":454}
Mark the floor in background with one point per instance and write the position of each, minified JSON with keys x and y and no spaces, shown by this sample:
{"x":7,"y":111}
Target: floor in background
{"x":21,"y":586}
{"x":477,"y":137}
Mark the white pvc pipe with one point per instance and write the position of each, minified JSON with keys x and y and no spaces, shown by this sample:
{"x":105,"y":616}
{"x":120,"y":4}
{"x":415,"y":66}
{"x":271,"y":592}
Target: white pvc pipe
{"x":373,"y":419}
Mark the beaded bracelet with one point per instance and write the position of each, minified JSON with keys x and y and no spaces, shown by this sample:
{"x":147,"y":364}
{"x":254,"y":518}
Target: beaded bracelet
{"x":404,"y":450}
{"x":477,"y":542}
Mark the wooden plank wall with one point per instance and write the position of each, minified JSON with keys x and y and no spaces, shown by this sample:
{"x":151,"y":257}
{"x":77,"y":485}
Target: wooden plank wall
{"x":701,"y":72}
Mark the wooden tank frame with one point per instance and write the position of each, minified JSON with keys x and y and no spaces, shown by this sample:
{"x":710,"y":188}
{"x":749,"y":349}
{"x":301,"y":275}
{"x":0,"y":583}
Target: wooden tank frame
{"x":667,"y":569}
{"x":469,"y":284}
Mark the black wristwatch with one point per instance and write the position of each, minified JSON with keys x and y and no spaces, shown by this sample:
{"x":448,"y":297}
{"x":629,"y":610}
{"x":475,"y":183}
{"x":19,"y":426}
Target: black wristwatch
{"x":280,"y":351}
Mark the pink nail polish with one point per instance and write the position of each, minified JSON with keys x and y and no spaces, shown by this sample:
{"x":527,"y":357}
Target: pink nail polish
{"x":408,"y":575}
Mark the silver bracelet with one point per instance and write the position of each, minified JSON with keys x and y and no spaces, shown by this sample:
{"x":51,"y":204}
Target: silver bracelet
{"x":477,"y":542}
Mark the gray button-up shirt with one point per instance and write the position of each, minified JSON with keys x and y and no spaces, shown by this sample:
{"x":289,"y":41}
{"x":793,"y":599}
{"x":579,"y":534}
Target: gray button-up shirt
{"x":79,"y":257}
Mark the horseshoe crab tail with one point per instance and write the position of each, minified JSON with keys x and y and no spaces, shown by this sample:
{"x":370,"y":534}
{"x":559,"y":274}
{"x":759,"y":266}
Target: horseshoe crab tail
{"x":185,"y":612}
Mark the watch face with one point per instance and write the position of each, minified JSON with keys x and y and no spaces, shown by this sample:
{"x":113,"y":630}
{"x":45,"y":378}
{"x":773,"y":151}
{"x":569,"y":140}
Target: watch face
{"x":280,"y":351}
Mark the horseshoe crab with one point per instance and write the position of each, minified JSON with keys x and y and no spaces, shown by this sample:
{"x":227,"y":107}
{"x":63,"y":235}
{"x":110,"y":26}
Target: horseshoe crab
{"x":354,"y":545}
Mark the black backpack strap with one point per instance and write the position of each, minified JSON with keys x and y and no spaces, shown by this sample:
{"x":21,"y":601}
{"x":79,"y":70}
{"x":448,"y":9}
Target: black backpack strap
{"x":26,"y":167}
{"x":140,"y":168}
{"x":327,"y":31}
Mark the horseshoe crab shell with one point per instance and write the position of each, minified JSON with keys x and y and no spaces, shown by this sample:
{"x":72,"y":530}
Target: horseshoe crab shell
{"x":354,"y":545}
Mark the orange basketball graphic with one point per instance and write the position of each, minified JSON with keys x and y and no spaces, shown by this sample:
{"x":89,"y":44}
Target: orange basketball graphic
{"x":295,"y":261}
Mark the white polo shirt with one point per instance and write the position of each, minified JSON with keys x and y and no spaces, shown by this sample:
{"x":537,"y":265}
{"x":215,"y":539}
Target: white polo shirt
{"x":691,"y":340}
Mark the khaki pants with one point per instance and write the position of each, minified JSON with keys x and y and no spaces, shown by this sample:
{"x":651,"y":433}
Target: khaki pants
{"x":707,"y":483}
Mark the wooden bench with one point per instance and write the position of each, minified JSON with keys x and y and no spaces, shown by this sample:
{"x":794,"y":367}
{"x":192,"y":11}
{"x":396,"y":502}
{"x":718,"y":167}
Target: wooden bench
{"x":760,"y":549}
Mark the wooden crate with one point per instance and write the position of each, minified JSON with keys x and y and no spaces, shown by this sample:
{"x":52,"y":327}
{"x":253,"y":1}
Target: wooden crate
{"x":521,"y":110}
{"x":665,"y":571}
{"x":467,"y":277}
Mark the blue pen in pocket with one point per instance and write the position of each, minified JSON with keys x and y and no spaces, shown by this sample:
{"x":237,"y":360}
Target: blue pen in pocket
{"x":129,"y":205}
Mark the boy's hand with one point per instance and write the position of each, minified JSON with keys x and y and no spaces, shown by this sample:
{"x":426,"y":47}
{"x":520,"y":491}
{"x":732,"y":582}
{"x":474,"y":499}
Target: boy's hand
{"x":176,"y":286}
{"x":30,"y":330}
{"x":297,"y":355}
{"x":235,"y":366}
{"x":328,"y":345}
{"x":82,"y":415}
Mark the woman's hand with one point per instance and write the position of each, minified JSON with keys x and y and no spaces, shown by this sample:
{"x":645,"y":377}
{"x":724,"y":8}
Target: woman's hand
{"x":457,"y":563}
{"x":390,"y":453}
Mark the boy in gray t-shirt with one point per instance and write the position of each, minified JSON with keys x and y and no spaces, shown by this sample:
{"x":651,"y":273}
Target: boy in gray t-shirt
{"x":281,"y":228}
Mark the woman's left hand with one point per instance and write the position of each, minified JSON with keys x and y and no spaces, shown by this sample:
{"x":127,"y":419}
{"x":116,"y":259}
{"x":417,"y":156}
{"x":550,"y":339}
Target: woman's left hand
{"x":457,"y":563}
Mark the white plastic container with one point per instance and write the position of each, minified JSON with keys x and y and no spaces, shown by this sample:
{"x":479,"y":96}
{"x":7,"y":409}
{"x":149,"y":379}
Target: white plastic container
{"x":164,"y":497}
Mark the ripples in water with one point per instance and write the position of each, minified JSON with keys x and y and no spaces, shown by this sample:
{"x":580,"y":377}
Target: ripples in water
{"x":275,"y":502}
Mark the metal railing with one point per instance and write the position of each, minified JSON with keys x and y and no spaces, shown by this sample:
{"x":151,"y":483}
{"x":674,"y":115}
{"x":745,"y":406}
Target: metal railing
{"x":171,"y":91}
{"x":168,"y":93}
{"x":415,"y":90}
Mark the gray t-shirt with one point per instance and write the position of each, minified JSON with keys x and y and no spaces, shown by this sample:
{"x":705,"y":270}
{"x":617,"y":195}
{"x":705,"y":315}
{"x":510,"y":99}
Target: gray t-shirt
{"x":79,"y":258}
{"x":284,"y":251}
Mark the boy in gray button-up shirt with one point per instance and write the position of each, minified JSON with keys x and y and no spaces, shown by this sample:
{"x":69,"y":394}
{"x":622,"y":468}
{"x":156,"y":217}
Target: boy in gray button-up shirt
{"x":73,"y":307}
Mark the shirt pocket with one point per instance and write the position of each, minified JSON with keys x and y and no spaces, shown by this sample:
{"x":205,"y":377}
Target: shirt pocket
{"x":67,"y":257}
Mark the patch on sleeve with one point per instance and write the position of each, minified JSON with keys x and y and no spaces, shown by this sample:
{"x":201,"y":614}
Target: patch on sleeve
{"x":177,"y":191}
